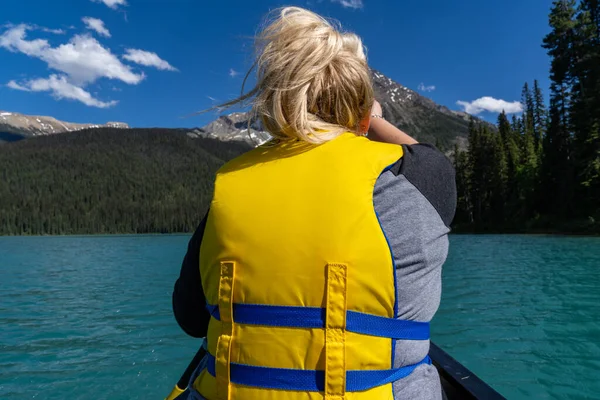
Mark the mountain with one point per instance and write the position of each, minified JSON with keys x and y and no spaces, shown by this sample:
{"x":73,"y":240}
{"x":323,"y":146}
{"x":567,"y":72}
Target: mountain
{"x":420,"y":116}
{"x":15,"y":126}
{"x":235,"y":127}
{"x":417,"y":115}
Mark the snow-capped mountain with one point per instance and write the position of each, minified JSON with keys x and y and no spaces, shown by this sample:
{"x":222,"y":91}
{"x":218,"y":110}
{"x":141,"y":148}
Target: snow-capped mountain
{"x":405,"y":108}
{"x":419,"y":116}
{"x":21,"y":126}
{"x":235,"y":127}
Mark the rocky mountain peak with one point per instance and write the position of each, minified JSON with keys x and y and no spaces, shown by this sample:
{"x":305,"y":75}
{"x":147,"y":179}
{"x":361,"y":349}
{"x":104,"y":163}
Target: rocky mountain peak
{"x":16,"y":124}
{"x":417,"y":115}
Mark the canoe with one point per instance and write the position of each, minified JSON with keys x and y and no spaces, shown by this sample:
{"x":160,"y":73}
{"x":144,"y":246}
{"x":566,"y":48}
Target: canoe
{"x":458,"y":383}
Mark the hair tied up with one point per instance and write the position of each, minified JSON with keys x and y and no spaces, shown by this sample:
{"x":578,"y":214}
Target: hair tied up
{"x":313,"y":80}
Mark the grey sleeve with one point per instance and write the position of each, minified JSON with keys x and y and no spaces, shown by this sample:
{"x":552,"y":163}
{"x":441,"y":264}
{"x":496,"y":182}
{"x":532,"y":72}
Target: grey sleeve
{"x":432,"y":173}
{"x":415,"y":201}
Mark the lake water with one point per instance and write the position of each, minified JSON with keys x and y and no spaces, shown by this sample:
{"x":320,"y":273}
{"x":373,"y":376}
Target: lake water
{"x":90,"y":317}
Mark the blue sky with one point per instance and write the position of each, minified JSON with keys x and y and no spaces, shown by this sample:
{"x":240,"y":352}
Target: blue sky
{"x":151,"y":62}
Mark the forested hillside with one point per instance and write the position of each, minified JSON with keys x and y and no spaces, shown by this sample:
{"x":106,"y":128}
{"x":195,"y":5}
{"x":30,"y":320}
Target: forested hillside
{"x":109,"y":181}
{"x":541,"y":171}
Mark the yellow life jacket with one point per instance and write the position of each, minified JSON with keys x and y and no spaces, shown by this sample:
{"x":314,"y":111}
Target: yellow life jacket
{"x":299,"y":277}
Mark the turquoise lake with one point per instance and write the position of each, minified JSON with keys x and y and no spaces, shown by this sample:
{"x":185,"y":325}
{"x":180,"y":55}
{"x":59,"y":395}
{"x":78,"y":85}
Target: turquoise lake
{"x":90,"y":317}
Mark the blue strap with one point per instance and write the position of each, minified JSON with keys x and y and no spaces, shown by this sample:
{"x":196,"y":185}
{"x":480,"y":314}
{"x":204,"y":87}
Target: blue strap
{"x":310,"y":380}
{"x":314,"y":317}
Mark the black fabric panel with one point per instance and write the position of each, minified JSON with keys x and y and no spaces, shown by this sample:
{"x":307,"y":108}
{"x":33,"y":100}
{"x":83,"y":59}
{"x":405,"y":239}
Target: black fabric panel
{"x":189,"y":303}
{"x":432,"y":173}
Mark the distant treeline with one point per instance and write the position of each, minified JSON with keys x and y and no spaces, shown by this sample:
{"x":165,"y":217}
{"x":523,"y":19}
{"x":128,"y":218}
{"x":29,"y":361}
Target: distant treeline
{"x":109,"y":181}
{"x":542,"y":171}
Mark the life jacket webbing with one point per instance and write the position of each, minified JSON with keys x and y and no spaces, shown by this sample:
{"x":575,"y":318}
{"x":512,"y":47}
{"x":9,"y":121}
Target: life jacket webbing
{"x":223,"y":356}
{"x":306,"y":380}
{"x":335,"y":332}
{"x":314,"y":317}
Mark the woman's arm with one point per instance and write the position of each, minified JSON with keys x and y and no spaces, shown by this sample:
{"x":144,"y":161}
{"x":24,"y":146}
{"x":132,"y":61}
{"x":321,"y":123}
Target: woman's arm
{"x":381,"y":130}
{"x":189,"y":303}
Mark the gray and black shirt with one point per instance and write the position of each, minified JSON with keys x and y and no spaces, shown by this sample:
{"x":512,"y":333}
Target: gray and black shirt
{"x":415,"y":201}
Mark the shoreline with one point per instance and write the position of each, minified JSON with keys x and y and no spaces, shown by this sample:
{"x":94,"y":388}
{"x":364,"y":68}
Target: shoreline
{"x":83,"y":235}
{"x":454,"y":231}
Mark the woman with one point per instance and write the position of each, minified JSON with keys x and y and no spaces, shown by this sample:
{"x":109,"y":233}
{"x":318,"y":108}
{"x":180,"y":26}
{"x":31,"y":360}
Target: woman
{"x":318,"y":267}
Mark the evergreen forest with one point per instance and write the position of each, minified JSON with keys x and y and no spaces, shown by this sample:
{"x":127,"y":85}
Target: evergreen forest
{"x":541,"y":171}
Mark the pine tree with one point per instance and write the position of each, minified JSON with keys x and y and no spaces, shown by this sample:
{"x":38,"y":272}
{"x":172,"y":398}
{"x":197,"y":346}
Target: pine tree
{"x":559,"y":45}
{"x":559,"y":41}
{"x":517,"y":130}
{"x":512,"y":156}
{"x":487,"y":165}
{"x":505,"y":130}
{"x":477,"y":181}
{"x":540,"y":117}
{"x":499,"y":179}
{"x":529,"y":108}
{"x":464,"y":212}
{"x":556,"y":169}
{"x":528,"y":139}
{"x":529,"y":156}
{"x":585,"y":107}
{"x":556,"y":165}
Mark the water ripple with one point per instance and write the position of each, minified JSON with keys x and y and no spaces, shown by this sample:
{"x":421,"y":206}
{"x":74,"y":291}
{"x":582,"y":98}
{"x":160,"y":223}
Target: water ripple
{"x":90,"y":317}
{"x":521,"y":311}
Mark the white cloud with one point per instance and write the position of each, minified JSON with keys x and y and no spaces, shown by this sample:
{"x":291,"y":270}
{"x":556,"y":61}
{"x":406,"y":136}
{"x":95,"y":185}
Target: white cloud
{"x":490,"y":104}
{"x":40,"y":28}
{"x":55,"y":31}
{"x":16,"y":86}
{"x":60,"y":88}
{"x":80,"y":62}
{"x":97,"y":25}
{"x":13,"y":40}
{"x":233,"y":73}
{"x":147,"y":59}
{"x":356,"y":4}
{"x":86,"y":60}
{"x":211,"y":98}
{"x":83,"y":59}
{"x":424,"y":88}
{"x":114,"y":4}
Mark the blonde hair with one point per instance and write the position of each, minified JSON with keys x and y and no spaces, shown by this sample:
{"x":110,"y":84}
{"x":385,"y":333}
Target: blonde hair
{"x":313,"y":81}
